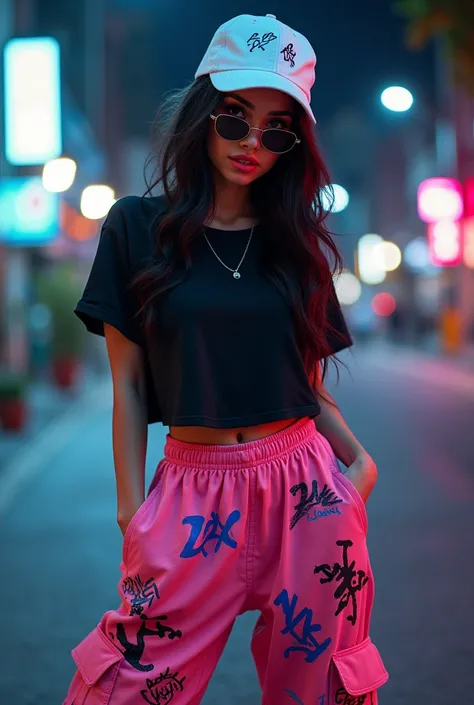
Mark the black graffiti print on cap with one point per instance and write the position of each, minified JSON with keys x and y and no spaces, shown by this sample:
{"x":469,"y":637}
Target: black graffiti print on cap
{"x":134,"y":652}
{"x":256,"y":42}
{"x":161,"y":690}
{"x":139,"y":593}
{"x":326,"y":498}
{"x":289,"y":54}
{"x":351,"y":581}
{"x":343,"y":698}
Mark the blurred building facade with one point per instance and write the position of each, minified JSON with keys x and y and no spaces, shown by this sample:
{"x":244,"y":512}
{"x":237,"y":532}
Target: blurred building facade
{"x":382,"y":159}
{"x":81,"y":137}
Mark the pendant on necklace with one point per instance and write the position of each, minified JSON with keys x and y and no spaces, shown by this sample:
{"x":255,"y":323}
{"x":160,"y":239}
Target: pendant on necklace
{"x":236,"y":275}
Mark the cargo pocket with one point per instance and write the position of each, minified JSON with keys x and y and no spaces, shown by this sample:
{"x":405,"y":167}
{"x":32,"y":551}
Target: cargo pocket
{"x":356,"y":674}
{"x":98,"y":662}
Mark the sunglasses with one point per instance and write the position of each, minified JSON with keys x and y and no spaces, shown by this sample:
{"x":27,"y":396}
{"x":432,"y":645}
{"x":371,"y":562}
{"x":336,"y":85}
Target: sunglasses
{"x":235,"y":129}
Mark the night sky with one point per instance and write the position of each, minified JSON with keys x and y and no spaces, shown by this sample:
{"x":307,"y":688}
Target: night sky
{"x":358,"y":44}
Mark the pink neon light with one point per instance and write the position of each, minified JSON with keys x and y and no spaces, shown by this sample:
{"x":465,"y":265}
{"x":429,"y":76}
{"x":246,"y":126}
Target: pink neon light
{"x":469,"y":197}
{"x":445,"y":243}
{"x":440,"y":199}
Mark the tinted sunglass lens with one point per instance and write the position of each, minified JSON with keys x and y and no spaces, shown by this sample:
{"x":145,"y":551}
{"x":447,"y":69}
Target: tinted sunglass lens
{"x":278,"y":140}
{"x":231,"y":128}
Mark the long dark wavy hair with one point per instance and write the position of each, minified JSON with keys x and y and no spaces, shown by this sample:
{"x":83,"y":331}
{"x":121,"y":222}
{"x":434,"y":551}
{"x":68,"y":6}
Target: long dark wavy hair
{"x":286,"y":200}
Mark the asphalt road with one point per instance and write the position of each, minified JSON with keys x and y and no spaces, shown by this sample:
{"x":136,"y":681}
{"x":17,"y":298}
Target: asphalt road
{"x":60,"y":547}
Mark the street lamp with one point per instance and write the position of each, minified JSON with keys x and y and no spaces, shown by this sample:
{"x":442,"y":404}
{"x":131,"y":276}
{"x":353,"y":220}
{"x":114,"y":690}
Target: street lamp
{"x":96,"y":201}
{"x":397,"y":99}
{"x":59,"y":174}
{"x":340,"y":199}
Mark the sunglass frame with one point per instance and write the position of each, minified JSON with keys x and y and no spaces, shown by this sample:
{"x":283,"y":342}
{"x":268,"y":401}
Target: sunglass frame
{"x":250,"y":128}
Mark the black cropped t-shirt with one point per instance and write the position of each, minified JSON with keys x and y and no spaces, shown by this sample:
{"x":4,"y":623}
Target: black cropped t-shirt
{"x":223,"y":353}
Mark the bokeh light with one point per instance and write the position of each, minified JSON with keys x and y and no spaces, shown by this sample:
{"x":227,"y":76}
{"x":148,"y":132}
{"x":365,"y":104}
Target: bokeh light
{"x":384,"y":304}
{"x":348,"y":288}
{"x":440,"y":199}
{"x":468,"y":254}
{"x":59,"y":174}
{"x":445,"y":243}
{"x":341,"y":198}
{"x":416,"y":255}
{"x":370,"y":271}
{"x":96,"y":201}
{"x":397,"y":99}
{"x":387,"y":255}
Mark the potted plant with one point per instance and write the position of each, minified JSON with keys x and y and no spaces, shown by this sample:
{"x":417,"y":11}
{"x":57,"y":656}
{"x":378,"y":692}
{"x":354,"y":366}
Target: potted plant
{"x":59,"y":291}
{"x":13,"y":408}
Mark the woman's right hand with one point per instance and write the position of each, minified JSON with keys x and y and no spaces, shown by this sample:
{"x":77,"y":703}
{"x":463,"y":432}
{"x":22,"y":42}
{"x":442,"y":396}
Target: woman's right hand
{"x":125,"y":516}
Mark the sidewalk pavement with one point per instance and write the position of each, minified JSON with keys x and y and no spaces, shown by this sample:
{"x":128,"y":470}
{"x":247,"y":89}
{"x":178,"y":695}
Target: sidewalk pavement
{"x":46,"y":403}
{"x":429,"y":349}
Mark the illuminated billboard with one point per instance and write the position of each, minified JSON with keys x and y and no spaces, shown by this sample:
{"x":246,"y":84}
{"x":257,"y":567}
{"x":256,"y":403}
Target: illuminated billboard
{"x":32,"y":100}
{"x":29,"y":215}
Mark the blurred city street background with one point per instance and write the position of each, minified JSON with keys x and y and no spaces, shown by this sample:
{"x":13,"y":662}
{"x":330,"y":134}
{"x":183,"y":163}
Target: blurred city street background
{"x":394,"y":99}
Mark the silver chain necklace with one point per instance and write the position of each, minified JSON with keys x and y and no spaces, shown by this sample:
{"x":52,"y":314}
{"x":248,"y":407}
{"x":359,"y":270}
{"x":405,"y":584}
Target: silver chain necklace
{"x":236,"y":273}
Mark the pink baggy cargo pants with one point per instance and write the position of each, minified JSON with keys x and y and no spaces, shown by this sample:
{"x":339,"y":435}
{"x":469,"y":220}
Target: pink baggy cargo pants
{"x":271,"y":525}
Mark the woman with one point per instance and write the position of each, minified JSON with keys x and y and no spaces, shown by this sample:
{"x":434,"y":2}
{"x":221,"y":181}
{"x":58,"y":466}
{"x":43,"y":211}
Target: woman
{"x":217,"y":304}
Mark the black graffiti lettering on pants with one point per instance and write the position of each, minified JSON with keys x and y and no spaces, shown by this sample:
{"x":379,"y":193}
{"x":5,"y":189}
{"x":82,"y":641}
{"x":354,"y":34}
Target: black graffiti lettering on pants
{"x":325,"y":498}
{"x":343,"y":698}
{"x":134,"y":652}
{"x":352,"y":581}
{"x":140,"y":593}
{"x":161,"y":690}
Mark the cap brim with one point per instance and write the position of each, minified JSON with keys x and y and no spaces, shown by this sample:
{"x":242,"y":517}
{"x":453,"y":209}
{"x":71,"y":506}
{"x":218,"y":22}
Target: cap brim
{"x":240,"y":79}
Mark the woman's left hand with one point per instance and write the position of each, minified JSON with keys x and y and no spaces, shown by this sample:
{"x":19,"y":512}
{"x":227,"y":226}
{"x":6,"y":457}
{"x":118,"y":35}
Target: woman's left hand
{"x":363,"y":474}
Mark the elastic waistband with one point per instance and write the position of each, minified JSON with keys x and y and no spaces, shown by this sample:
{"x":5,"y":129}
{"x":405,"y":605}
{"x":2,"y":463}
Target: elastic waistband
{"x":240,"y":455}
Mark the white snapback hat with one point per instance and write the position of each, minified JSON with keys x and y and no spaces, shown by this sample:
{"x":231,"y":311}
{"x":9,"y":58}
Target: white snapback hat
{"x":260,"y":52}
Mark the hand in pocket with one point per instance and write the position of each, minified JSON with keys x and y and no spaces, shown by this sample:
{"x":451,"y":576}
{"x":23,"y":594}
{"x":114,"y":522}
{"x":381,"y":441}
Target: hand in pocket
{"x":363,"y":475}
{"x":125,"y":516}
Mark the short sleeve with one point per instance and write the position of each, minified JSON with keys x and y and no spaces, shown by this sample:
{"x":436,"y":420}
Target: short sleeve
{"x":107,"y":297}
{"x":341,"y":338}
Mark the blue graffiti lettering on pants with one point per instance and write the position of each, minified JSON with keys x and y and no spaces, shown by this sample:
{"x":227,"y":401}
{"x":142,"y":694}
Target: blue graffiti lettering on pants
{"x":309,"y":645}
{"x":213,"y":531}
{"x":319,"y":514}
{"x":294,"y":697}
